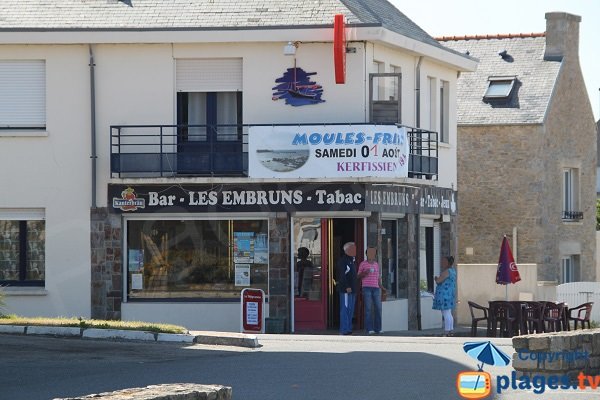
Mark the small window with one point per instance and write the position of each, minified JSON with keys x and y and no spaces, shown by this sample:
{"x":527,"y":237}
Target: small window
{"x":570,"y":191}
{"x":444,"y":111}
{"x":22,"y":252}
{"x":500,"y":87}
{"x":570,"y":269}
{"x":22,"y":94}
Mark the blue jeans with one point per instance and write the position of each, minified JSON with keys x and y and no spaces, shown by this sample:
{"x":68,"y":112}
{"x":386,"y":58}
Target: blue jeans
{"x":346,"y":311}
{"x":372,"y":299}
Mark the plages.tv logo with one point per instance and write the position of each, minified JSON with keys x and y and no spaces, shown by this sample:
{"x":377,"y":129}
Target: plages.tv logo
{"x":478,"y":384}
{"x":473,"y":384}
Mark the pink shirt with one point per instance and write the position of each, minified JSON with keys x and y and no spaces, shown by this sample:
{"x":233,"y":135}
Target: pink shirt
{"x":372,"y":278}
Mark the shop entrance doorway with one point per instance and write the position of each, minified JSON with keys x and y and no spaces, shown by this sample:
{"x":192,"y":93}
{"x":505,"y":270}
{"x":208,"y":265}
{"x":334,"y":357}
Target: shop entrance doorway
{"x":318,"y":246}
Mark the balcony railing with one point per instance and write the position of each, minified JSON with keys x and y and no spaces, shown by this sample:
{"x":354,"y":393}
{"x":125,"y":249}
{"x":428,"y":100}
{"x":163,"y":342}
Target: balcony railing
{"x":139,"y":151}
{"x":572,"y":215}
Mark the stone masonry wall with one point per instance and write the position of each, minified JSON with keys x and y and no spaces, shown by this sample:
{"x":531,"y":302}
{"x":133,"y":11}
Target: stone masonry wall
{"x":279,"y":268}
{"x":558,"y":353}
{"x":449,"y":238}
{"x":513,"y":178}
{"x":408,"y":253}
{"x":106,"y":264}
{"x":570,"y":142}
{"x":500,"y":186}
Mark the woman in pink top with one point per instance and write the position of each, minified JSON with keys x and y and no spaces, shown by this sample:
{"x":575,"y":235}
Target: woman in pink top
{"x":370,"y":275}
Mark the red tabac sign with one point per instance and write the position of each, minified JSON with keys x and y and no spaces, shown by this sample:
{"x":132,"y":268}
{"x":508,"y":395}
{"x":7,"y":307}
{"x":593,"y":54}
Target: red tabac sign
{"x":339,"y":48}
{"x":253,"y":301}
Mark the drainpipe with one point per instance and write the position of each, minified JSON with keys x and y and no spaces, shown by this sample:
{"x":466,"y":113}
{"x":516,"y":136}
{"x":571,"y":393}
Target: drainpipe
{"x":418,"y":242}
{"x":93,"y":156}
{"x":418,"y":215}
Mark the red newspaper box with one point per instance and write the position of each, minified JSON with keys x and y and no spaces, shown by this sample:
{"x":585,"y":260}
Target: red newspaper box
{"x":253,"y":304}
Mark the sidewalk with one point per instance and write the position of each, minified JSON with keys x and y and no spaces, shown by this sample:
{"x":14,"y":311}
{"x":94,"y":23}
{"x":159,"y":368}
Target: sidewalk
{"x":197,"y":337}
{"x":459,"y":331}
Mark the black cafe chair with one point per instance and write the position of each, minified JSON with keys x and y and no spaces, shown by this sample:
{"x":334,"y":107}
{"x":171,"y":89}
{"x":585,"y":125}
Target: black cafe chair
{"x":582,"y":314}
{"x":533,"y":317}
{"x":554,"y":316}
{"x":503,"y":319}
{"x":477,"y":309}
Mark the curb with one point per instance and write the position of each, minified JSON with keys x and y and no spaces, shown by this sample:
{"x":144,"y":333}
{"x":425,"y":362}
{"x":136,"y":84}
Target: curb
{"x":94,"y":333}
{"x":202,"y":337}
{"x":53,"y":331}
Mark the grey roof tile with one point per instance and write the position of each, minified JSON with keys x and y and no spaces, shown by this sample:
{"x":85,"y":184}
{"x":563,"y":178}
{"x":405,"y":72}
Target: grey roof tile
{"x":535,"y":80}
{"x":23,"y":15}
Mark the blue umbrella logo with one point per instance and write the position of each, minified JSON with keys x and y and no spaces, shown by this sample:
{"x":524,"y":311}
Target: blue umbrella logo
{"x":487,"y":353}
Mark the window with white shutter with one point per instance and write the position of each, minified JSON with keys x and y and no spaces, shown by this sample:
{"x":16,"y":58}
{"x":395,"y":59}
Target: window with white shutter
{"x":22,"y":94}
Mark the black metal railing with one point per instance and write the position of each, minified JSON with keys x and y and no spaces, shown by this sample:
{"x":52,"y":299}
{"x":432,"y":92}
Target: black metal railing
{"x":221,"y":150}
{"x":572,"y":215}
{"x":175,"y":150}
{"x":423,"y":153}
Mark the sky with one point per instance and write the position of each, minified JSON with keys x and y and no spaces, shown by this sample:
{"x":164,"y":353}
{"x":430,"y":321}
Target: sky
{"x":478,"y":17}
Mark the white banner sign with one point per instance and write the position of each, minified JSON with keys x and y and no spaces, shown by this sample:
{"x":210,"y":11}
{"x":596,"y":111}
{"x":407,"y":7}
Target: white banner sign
{"x":327,"y":151}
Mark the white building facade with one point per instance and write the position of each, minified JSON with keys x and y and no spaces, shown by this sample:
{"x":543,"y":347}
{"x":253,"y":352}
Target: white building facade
{"x":137,"y":202}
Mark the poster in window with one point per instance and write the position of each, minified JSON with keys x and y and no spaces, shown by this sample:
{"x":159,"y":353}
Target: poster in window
{"x":261,"y":253}
{"x":242,"y":274}
{"x":137,"y":283}
{"x":243,"y":247}
{"x":136,"y":260}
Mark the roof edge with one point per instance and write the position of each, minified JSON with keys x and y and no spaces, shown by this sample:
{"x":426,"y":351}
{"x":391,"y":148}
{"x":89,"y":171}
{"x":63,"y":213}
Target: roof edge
{"x":190,"y":29}
{"x":492,"y":36}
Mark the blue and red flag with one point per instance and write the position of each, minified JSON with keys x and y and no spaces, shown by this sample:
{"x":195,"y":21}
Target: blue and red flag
{"x":507,"y":271}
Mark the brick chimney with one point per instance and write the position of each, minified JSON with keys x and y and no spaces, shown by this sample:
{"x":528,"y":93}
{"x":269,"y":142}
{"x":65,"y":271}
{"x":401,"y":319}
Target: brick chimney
{"x":562,"y":36}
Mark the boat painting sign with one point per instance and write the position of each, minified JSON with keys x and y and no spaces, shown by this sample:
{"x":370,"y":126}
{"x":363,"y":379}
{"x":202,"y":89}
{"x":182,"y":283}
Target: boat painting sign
{"x":297,"y":88}
{"x":327,"y":151}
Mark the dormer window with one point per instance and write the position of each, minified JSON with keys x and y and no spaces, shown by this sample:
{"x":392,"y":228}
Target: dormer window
{"x":499,"y":87}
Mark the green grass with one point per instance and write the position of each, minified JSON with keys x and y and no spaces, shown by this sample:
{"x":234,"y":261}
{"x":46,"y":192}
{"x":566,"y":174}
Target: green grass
{"x":91,"y":323}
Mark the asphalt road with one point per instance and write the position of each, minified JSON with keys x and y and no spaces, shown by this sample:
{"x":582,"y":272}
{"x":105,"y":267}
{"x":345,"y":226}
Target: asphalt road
{"x":286,"y":367}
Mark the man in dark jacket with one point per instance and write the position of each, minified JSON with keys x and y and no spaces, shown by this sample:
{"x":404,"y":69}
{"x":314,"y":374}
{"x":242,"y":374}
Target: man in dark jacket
{"x":346,"y":284}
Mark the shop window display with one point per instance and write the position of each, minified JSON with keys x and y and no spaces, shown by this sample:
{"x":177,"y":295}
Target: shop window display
{"x":196,"y":259}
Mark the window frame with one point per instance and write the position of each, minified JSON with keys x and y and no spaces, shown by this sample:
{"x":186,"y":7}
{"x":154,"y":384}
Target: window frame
{"x":397,"y":77}
{"x":494,"y":81}
{"x":231,"y":219}
{"x":394,"y":290}
{"x":23,"y":256}
{"x":444,"y":112}
{"x":570,"y":192}
{"x":569,"y":269}
{"x":30,"y":76}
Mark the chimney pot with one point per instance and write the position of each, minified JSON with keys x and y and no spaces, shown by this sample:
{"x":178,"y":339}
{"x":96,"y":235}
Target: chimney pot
{"x":562,"y":36}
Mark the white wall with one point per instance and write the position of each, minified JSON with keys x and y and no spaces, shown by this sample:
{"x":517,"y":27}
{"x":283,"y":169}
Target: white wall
{"x":394,"y":315}
{"x":477,"y":283}
{"x":447,"y":151}
{"x":53,"y":173}
{"x":430,"y":318}
{"x":224,"y":317}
